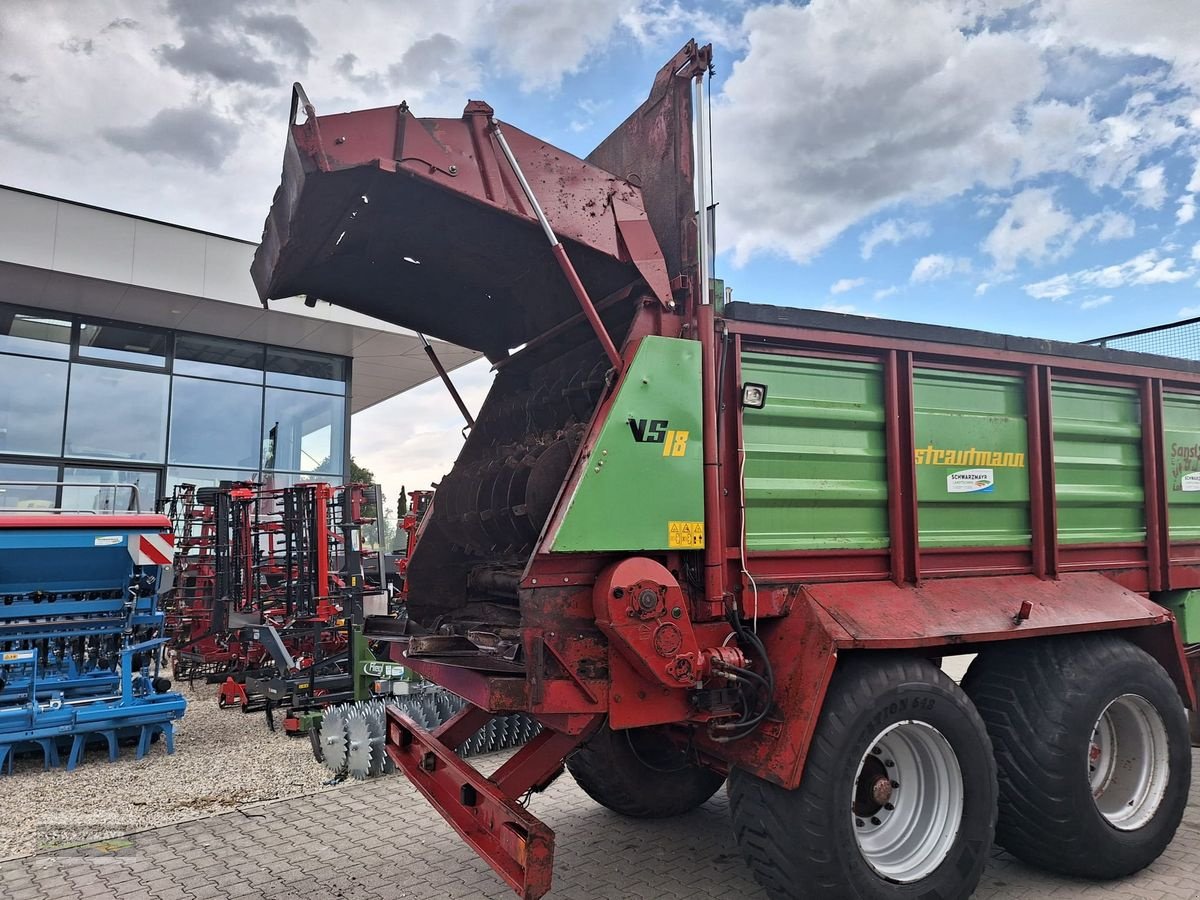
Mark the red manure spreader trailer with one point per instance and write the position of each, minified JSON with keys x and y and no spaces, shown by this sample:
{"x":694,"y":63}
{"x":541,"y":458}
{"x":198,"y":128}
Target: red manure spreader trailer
{"x":709,"y":542}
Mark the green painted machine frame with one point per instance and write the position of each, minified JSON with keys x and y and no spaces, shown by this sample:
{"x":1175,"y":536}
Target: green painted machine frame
{"x":642,"y":483}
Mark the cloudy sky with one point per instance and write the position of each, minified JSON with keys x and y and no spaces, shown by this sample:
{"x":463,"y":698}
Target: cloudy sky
{"x":1018,"y":166}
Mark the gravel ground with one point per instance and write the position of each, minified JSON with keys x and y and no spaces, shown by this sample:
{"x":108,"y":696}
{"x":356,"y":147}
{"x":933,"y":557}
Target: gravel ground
{"x":222,"y":759}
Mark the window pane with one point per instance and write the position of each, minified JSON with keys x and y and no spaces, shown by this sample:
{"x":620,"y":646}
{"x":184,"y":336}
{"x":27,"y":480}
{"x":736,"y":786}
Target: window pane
{"x":23,"y":496}
{"x":123,"y":343}
{"x":33,"y":334}
{"x":314,"y":371}
{"x":303,"y":432}
{"x":277,"y":480}
{"x":117,"y":414}
{"x":215,"y":424}
{"x":177,"y":475}
{"x":33,"y":393}
{"x":217,"y":358}
{"x":109,"y":490}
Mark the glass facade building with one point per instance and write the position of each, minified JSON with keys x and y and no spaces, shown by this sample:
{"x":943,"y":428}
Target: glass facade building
{"x":111,"y":403}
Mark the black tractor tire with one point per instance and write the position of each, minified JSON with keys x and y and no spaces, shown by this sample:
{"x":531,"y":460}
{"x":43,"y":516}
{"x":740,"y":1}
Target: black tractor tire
{"x":804,"y":844}
{"x":640,"y":773}
{"x":1043,"y":701}
{"x":314,"y":740}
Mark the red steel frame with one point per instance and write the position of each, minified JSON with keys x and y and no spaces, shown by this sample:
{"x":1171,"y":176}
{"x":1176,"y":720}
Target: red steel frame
{"x":812,"y":605}
{"x":808,"y":606}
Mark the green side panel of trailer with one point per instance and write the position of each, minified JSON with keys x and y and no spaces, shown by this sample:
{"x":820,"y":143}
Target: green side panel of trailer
{"x":1181,"y":445}
{"x":643,"y":484}
{"x":971,"y":459}
{"x":1186,"y":607}
{"x":815,"y":467}
{"x":1098,"y":464}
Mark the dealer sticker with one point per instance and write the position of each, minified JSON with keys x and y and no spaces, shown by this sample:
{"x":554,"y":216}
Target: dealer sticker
{"x":971,"y":481}
{"x":108,"y":540}
{"x":1191,"y":482}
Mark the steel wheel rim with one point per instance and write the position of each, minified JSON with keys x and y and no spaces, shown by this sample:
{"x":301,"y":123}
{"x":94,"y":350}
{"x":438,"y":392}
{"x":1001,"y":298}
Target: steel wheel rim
{"x":907,"y":801}
{"x":1129,"y":762}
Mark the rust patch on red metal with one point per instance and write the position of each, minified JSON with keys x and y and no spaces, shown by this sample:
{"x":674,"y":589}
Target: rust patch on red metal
{"x":974,"y":610}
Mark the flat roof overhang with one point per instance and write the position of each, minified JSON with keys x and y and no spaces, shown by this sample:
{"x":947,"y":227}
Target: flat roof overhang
{"x":56,"y":255}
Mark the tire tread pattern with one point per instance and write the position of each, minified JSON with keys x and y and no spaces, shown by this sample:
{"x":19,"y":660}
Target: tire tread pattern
{"x":608,"y":772}
{"x":792,"y":855}
{"x":1027,"y":694}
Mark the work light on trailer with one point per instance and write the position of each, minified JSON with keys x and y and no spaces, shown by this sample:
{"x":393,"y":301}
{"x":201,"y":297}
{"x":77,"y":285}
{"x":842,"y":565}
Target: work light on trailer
{"x":754,"y":396}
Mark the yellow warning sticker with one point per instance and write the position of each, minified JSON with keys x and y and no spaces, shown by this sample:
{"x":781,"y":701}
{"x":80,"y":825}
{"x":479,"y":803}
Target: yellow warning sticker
{"x":685,"y":535}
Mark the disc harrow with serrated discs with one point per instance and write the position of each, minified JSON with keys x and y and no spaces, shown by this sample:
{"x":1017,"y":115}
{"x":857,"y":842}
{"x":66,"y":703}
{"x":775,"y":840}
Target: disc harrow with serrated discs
{"x":333,"y":738}
{"x":359,"y":755}
{"x":376,"y":716}
{"x":352,"y":736}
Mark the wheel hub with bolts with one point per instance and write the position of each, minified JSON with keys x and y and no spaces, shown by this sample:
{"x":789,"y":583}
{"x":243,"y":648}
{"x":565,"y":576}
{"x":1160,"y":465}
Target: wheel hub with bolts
{"x":874,"y":789}
{"x":907,"y":801}
{"x":881,"y":791}
{"x":1128,"y":762}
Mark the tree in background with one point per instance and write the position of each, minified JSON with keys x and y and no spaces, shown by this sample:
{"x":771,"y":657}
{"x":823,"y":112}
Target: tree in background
{"x":381,"y":535}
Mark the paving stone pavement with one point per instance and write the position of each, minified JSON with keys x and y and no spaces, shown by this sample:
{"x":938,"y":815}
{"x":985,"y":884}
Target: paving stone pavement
{"x":379,"y":840}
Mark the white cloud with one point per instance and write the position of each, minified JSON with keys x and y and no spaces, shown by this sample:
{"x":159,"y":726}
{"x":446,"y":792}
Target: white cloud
{"x":1096,"y":302}
{"x":542,"y":42}
{"x":870,"y":122}
{"x":1188,"y":312}
{"x":1114,"y":226}
{"x":884,"y":293}
{"x":842,"y":285}
{"x":936,"y":266}
{"x":68,"y":79}
{"x":981,"y":288}
{"x":867,"y":121}
{"x":1150,"y":187}
{"x":588,"y":110}
{"x":1147,"y":268}
{"x":1165,"y":29}
{"x":1196,"y":251}
{"x":847,"y":308}
{"x":1036,"y":229}
{"x":1193,"y":185}
{"x":1033,"y":228}
{"x":1052,"y":288}
{"x":421,"y":453}
{"x":1187,"y":209}
{"x":892,"y":231}
{"x":656,"y":21}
